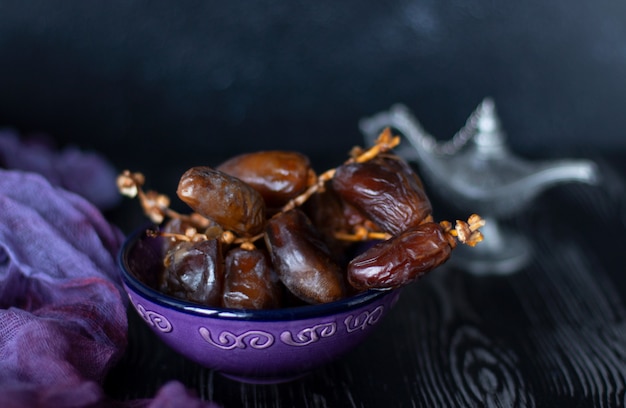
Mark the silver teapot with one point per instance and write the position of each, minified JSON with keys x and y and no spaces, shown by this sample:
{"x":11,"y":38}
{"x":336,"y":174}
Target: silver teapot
{"x":476,"y":171}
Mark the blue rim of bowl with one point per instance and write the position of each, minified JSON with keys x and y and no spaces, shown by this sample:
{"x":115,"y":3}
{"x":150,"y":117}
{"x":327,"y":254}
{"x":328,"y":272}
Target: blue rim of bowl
{"x":289,"y":313}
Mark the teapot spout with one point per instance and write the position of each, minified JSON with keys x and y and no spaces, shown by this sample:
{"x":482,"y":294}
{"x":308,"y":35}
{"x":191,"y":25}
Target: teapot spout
{"x":550,"y":173}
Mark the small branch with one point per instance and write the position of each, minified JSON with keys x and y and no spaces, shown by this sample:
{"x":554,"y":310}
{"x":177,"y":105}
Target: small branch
{"x":467,"y":233}
{"x":385,"y":142}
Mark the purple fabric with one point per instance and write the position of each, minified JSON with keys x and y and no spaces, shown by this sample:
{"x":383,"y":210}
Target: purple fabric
{"x":62,"y":309}
{"x":85,"y":173}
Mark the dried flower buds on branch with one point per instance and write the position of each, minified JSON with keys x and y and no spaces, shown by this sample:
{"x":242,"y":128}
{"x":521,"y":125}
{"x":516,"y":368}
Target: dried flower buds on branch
{"x":262,"y":202}
{"x":468,"y":232}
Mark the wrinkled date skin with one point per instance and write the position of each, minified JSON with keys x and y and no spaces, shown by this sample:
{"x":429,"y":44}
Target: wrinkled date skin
{"x":194,"y":271}
{"x":386,"y":190}
{"x":250,"y":282}
{"x":302,"y":259}
{"x":278,"y":176}
{"x":400,"y":259}
{"x":225,"y":199}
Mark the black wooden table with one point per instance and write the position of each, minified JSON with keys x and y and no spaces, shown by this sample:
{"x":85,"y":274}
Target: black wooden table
{"x":552,"y":334}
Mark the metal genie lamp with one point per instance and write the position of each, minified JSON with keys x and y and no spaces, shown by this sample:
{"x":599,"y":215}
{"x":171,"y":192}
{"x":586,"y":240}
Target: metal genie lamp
{"x":475,"y":170}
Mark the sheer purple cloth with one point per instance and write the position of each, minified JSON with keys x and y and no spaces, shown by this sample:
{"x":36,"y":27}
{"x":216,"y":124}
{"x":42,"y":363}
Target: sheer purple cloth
{"x":85,"y":173}
{"x":62,"y":310}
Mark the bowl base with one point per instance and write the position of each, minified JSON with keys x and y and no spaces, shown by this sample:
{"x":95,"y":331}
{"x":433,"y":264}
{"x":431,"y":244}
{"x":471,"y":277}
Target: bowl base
{"x":264,"y":380}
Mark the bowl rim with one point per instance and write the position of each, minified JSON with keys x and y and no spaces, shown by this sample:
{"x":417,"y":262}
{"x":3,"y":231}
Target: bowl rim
{"x":281,"y":314}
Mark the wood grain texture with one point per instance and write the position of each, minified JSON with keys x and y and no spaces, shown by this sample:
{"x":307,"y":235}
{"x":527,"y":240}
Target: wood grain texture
{"x":553,"y":334}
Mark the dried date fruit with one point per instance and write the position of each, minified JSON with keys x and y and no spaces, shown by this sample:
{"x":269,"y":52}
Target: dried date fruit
{"x":386,"y":190}
{"x":224,"y":199}
{"x":339,"y":223}
{"x":302,"y":259}
{"x":313,"y":224}
{"x":327,"y":213}
{"x":176,"y":226}
{"x":173,"y":229}
{"x":401,"y":259}
{"x":250,"y":282}
{"x":277,"y":175}
{"x":194,"y":271}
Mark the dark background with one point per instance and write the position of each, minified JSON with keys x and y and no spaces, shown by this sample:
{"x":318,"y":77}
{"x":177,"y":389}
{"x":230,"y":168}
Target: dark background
{"x":154,"y":83}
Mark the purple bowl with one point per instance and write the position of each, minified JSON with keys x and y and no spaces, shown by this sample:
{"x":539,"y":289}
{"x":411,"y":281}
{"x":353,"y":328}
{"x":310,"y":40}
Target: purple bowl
{"x":256,"y":346}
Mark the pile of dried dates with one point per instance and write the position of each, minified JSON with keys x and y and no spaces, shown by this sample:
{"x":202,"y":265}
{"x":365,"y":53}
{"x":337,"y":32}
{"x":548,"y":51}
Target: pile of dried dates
{"x":266,"y":231}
